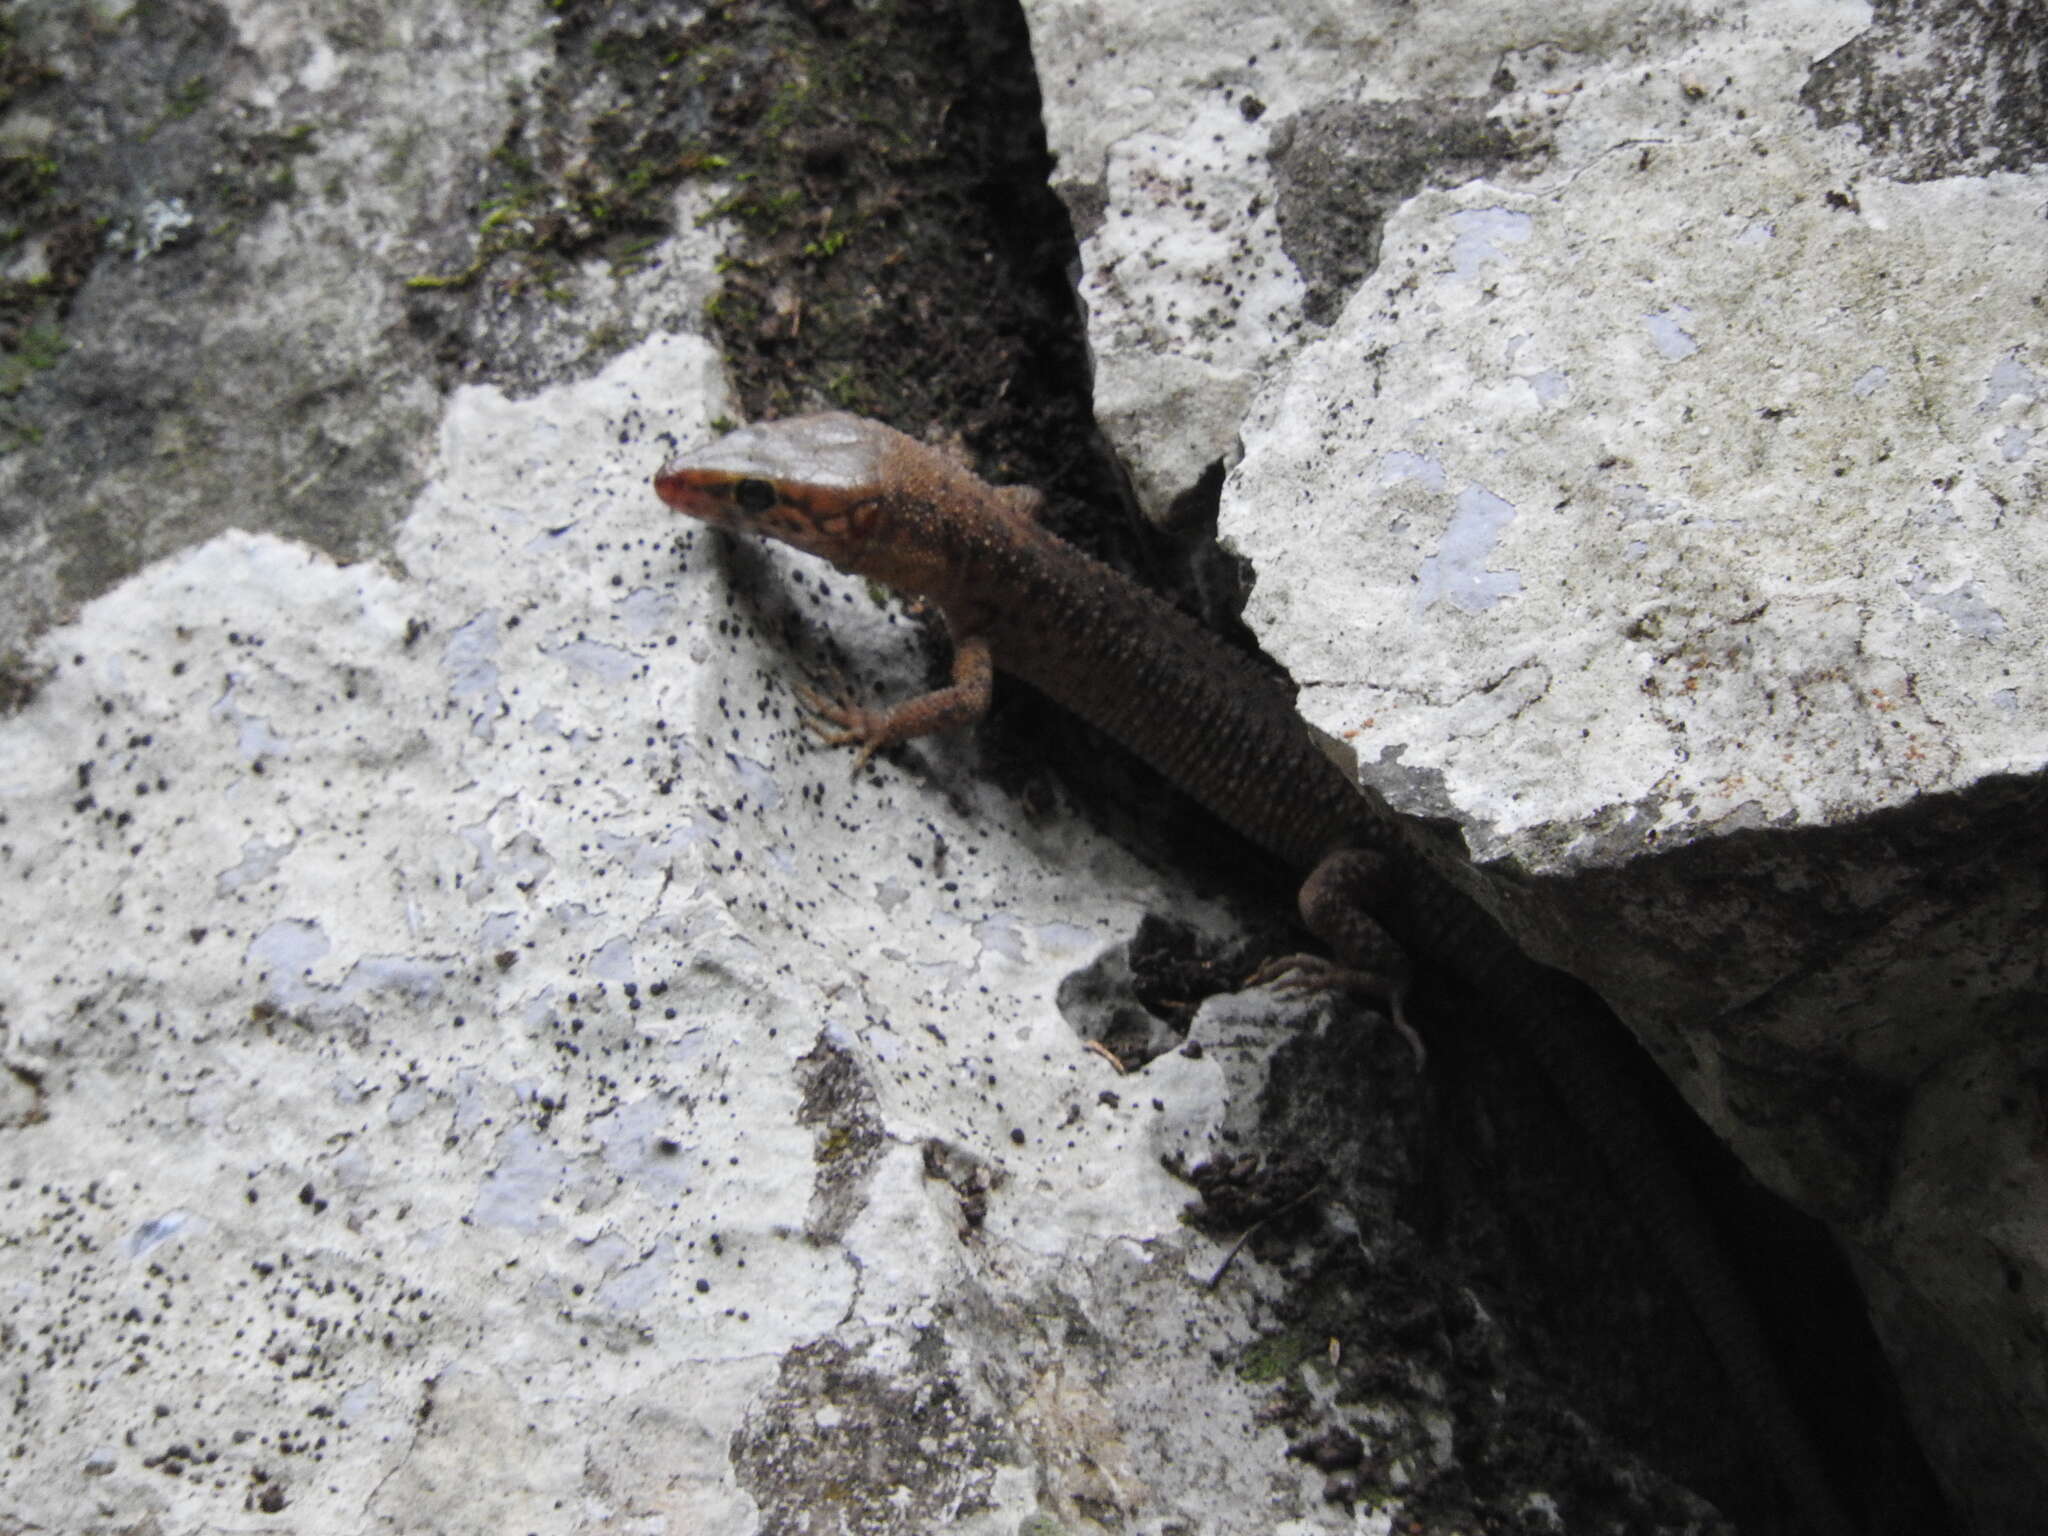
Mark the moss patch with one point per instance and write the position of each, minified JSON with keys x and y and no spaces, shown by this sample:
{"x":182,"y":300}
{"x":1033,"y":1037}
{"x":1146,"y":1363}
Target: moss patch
{"x":33,"y":213}
{"x":894,"y":248}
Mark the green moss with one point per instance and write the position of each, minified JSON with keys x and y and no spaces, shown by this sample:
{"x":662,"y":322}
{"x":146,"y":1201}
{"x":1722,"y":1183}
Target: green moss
{"x":834,"y":1144}
{"x":38,"y":348}
{"x":189,"y":97}
{"x":613,"y":194}
{"x":185,"y":99}
{"x":766,"y":211}
{"x":26,"y":179}
{"x":1275,"y":1356}
{"x":786,"y":108}
{"x":847,"y":390}
{"x":730,"y":310}
{"x":612,"y":50}
{"x":855,"y":151}
{"x":33,"y":207}
{"x":427,"y":282}
{"x":42,"y":346}
{"x":16,"y":434}
{"x":826,"y":246}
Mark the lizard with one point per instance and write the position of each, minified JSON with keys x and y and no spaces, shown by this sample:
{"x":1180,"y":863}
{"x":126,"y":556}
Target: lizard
{"x":1380,"y":890}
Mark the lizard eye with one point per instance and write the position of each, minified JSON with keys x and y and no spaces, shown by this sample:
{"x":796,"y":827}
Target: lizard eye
{"x":754,"y":496}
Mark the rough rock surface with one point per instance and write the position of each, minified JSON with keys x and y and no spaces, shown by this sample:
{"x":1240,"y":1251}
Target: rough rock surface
{"x":473,"y":1066}
{"x":1637,"y":426}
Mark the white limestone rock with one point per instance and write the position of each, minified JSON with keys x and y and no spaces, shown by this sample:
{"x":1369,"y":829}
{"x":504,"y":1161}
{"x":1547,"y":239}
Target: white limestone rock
{"x":1633,"y":426}
{"x":475,"y":1064}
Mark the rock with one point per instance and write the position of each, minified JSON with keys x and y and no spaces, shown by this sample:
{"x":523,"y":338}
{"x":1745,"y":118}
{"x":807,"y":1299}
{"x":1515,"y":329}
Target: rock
{"x":1630,"y":438}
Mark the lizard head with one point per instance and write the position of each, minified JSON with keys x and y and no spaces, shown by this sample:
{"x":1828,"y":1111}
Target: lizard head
{"x":810,"y":482}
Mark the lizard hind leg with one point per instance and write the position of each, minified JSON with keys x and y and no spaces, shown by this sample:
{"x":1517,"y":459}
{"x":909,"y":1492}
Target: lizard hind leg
{"x":1367,"y":962}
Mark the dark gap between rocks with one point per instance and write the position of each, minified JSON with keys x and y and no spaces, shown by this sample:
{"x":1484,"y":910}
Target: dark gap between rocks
{"x":901,"y":253}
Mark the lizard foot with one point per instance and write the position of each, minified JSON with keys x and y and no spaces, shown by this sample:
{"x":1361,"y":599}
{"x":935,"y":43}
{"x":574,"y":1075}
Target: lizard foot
{"x":843,"y":723}
{"x":839,"y":722}
{"x":1315,"y":973}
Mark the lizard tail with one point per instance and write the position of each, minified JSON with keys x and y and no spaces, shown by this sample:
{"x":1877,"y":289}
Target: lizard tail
{"x":1583,"y":1068}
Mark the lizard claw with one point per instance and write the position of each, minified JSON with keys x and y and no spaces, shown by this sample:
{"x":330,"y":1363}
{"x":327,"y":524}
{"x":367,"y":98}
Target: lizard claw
{"x":1314,"y":973}
{"x":1296,"y":973}
{"x":839,"y":722}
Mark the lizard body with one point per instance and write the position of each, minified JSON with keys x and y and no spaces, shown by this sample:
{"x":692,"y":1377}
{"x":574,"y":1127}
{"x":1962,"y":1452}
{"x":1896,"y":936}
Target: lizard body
{"x":1014,"y":596}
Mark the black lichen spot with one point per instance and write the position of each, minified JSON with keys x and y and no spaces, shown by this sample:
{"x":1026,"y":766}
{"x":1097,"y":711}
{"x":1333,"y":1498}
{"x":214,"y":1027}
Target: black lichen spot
{"x":1939,"y":88}
{"x":1343,"y":167}
{"x":839,"y":1105}
{"x":904,"y":1452}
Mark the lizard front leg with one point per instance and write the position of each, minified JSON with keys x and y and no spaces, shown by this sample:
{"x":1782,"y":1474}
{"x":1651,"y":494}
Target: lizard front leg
{"x":843,"y":723}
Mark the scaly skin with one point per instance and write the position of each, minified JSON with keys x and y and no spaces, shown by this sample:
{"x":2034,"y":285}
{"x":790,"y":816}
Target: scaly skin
{"x":876,"y":503}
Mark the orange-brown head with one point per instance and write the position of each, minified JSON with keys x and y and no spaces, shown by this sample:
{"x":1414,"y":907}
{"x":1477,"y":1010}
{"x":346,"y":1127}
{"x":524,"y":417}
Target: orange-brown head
{"x":810,"y":481}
